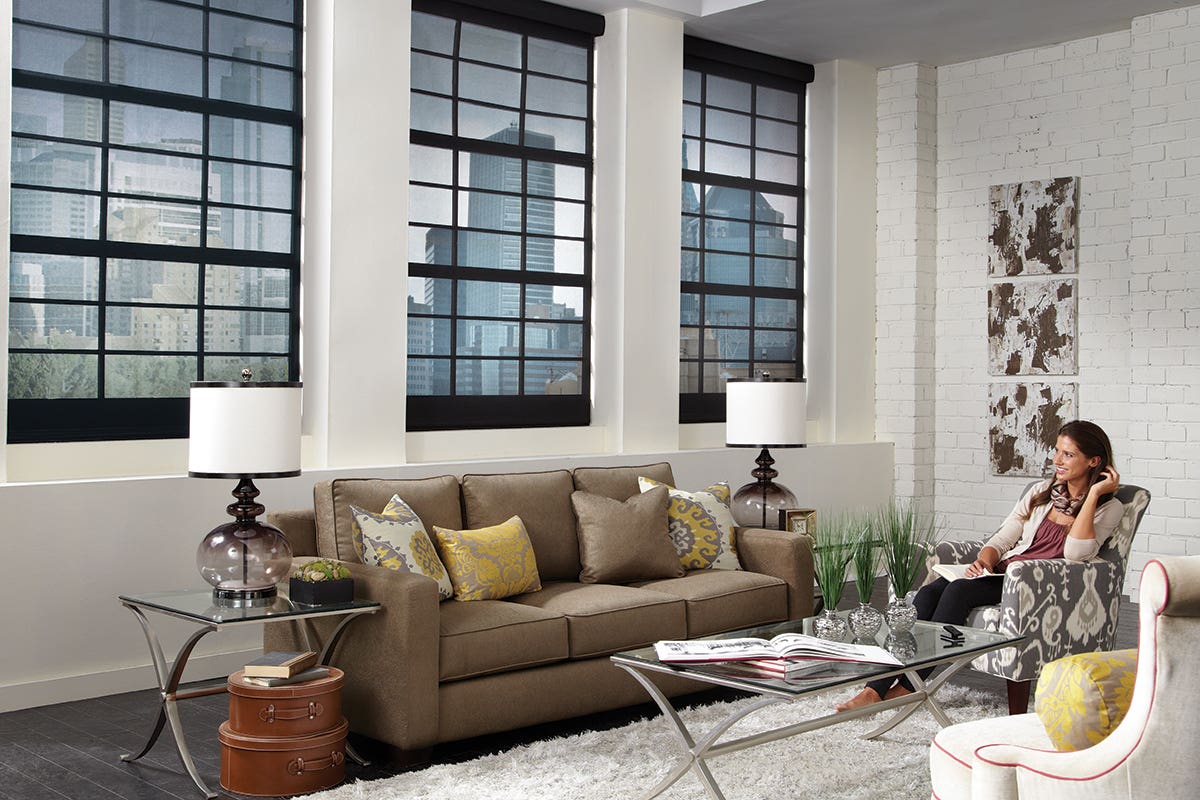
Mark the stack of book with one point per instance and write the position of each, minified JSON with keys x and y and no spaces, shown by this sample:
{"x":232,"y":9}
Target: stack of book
{"x":282,"y":667}
{"x":789,"y":654}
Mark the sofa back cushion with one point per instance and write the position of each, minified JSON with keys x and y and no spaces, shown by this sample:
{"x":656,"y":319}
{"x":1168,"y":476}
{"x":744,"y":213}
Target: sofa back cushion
{"x":435,"y":501}
{"x":543,"y":502}
{"x":620,"y":483}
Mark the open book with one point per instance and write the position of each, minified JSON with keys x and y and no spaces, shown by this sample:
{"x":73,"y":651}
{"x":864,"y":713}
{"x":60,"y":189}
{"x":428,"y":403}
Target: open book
{"x":785,"y":645}
{"x":953,"y":572}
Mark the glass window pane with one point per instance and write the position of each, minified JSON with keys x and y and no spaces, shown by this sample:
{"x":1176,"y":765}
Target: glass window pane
{"x":689,"y":342}
{"x":229,"y":368}
{"x":726,"y":160}
{"x":691,"y":86}
{"x":564,"y":256}
{"x":782,"y":369}
{"x":428,"y":377}
{"x":432,"y":73}
{"x":487,"y":337}
{"x":283,"y":10}
{"x":55,"y":114}
{"x":491,"y":124}
{"x":689,"y":377}
{"x":157,"y":23}
{"x":148,"y":376}
{"x":245,"y":184}
{"x":558,"y":58}
{"x":556,"y":96}
{"x":150,"y":328}
{"x":486,"y":171}
{"x":245,"y":229}
{"x":726,"y":343}
{"x":51,"y":376}
{"x":247,"y":286}
{"x":499,"y":212}
{"x":774,"y":346}
{"x":153,"y":174}
{"x":250,"y":83}
{"x":252,"y":331}
{"x":778,"y":272}
{"x":478,"y":43}
{"x":775,"y":240}
{"x":774,"y":312}
{"x":777,"y":208}
{"x":715,"y":374}
{"x":777,"y":135}
{"x":433,"y":114}
{"x":722,"y":201}
{"x":429,"y":205}
{"x":430,"y":245}
{"x":158,"y":128}
{"x":726,"y":310}
{"x":154,"y":68}
{"x":489,"y":250}
{"x":244,"y":38}
{"x":253,"y":141}
{"x":553,"y":377}
{"x":568,"y":218}
{"x":553,"y":339}
{"x":153,"y":222}
{"x":429,"y":295}
{"x":433,"y":33}
{"x":776,"y":167}
{"x":489,"y":84}
{"x":42,"y":213}
{"x":40,"y":275}
{"x":778,"y":103}
{"x":689,"y":308}
{"x":57,"y":53}
{"x":55,"y":326}
{"x":487,"y":377}
{"x":727,"y":93}
{"x":137,"y":281}
{"x":80,"y":14}
{"x":691,"y":154}
{"x":489,"y":298}
{"x":428,"y":335}
{"x":553,"y":133}
{"x":727,"y":234}
{"x":689,"y":265}
{"x":726,"y":268}
{"x":68,"y":166}
{"x":431,"y":164}
{"x":727,"y":127}
{"x":553,"y":302}
{"x":691,"y":120}
{"x":555,"y":180}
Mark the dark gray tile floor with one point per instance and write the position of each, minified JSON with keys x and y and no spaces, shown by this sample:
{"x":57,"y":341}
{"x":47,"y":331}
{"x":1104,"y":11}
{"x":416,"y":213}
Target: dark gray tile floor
{"x":71,"y":751}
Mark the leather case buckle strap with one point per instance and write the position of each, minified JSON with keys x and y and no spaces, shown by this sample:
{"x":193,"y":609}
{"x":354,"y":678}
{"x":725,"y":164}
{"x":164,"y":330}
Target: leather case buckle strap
{"x":298,"y":766}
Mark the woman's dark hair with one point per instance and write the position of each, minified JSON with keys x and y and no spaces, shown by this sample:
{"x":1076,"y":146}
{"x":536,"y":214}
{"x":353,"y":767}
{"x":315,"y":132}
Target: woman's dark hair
{"x":1093,"y":442}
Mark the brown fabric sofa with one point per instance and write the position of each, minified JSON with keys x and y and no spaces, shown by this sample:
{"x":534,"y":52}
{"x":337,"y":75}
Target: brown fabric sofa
{"x":421,"y":672}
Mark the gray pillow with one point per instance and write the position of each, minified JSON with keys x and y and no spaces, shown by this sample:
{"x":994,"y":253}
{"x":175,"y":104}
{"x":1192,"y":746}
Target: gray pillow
{"x":626,"y":541}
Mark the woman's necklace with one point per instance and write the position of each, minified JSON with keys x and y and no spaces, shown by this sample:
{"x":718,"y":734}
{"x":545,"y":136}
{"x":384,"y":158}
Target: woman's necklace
{"x":1061,"y":500}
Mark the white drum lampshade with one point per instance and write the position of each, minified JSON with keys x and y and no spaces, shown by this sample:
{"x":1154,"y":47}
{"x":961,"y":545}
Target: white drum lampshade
{"x":244,"y":431}
{"x":764,"y":412}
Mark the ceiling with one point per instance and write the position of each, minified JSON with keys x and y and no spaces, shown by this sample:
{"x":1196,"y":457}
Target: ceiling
{"x":889,"y":32}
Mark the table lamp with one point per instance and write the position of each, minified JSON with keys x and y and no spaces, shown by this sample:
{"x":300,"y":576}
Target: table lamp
{"x":764,"y":412}
{"x":244,"y":431}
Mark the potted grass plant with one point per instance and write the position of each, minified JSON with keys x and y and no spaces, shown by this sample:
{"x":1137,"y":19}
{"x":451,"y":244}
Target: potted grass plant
{"x":907,"y":536}
{"x":866,"y":557}
{"x":831,"y":555}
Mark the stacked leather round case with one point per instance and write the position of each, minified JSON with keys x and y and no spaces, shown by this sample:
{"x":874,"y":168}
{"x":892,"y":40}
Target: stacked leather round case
{"x":283,"y":740}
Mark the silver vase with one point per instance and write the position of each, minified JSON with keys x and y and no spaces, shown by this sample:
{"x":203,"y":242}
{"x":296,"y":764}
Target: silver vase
{"x":902,"y":645}
{"x":829,"y":625}
{"x":900,"y":616}
{"x":865,"y":621}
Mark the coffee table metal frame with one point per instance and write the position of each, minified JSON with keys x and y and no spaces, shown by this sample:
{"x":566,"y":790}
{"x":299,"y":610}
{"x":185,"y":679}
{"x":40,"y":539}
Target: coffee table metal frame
{"x":772,"y":691}
{"x":190,"y":606}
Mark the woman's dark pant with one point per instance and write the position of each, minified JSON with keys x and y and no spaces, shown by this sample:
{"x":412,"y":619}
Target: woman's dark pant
{"x":947,"y":602}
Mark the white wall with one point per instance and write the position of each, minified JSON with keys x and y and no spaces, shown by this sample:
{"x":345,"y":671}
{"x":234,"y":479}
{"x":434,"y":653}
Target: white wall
{"x":84,"y":523}
{"x":1117,"y":111}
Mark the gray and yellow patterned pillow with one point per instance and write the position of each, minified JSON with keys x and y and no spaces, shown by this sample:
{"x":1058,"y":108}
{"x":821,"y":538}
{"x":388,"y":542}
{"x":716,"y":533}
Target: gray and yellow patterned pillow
{"x":396,"y":539}
{"x":1081,"y":699}
{"x":701,"y":526}
{"x":489,"y":563}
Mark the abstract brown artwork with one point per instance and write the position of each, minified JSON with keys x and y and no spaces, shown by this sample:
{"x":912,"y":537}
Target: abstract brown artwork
{"x":1023,"y":421}
{"x":1031,"y":328}
{"x":1032,"y":228}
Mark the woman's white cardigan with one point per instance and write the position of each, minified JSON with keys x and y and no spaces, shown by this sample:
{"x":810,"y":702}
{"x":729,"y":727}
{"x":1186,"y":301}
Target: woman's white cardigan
{"x":1016,"y":532}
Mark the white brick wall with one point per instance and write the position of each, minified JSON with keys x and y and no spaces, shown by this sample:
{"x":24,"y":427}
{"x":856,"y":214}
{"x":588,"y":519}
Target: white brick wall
{"x":1121,"y":112}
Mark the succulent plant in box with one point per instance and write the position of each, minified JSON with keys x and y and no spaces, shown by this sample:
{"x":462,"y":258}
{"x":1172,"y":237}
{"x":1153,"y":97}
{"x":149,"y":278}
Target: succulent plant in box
{"x":321,"y":581}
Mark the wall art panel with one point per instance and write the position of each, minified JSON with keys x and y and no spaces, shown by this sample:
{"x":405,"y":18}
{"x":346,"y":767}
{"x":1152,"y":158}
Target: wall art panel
{"x":1032,"y":328}
{"x":1032,"y":228}
{"x":1023,"y":423}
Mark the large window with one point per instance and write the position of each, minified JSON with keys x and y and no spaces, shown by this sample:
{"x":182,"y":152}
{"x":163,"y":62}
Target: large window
{"x":155,"y":209}
{"x":500,"y":229}
{"x":742,"y":270}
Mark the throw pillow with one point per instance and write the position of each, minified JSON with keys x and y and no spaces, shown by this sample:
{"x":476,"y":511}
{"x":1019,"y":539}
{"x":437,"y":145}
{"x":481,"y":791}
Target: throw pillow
{"x":701,"y":526}
{"x":396,"y":539}
{"x":489,"y":563}
{"x":1082,"y":698}
{"x":626,"y":541}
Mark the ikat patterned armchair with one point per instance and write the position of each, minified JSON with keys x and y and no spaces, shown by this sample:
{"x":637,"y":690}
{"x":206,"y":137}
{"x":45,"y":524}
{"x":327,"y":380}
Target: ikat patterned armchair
{"x":1061,"y":607}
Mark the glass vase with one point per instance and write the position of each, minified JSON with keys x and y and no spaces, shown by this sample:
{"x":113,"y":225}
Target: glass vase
{"x":829,"y":625}
{"x":865,"y":621}
{"x":900,"y":615}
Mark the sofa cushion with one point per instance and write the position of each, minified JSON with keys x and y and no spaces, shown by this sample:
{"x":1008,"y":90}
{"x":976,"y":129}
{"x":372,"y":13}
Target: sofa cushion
{"x":397,"y":540}
{"x":952,"y":754}
{"x":725,"y":600}
{"x":625,"y":541}
{"x":701,"y":526}
{"x":496,"y":636}
{"x":435,"y":500}
{"x":620,"y":483}
{"x":543,"y":502}
{"x":603,"y":619}
{"x":489,"y":563}
{"x":1081,"y":699}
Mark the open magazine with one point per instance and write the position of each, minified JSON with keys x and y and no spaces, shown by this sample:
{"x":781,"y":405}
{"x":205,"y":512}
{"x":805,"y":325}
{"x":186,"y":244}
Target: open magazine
{"x":785,"y":645}
{"x":953,"y":572}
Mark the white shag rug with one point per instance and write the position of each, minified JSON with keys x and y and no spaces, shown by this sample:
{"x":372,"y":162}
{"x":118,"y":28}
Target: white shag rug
{"x":626,"y":762}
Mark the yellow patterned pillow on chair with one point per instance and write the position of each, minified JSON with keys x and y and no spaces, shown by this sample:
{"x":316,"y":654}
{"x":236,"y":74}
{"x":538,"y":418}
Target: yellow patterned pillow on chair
{"x":396,"y":539}
{"x":489,"y":563}
{"x":701,"y":526}
{"x":1082,"y":698}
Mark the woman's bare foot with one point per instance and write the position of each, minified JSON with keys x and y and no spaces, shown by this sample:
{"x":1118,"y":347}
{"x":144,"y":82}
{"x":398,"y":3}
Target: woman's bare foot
{"x":896,"y":691}
{"x":866,"y":697}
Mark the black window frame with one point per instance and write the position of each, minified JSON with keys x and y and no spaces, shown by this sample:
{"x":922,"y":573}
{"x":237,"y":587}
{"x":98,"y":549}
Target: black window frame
{"x":759,"y":70}
{"x":470,"y":411}
{"x":132,"y":418}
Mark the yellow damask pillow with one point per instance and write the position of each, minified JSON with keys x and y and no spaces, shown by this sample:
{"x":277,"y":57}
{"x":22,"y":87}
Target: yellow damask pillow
{"x":1082,"y":698}
{"x":701,"y":526}
{"x":489,"y":563}
{"x":396,"y":539}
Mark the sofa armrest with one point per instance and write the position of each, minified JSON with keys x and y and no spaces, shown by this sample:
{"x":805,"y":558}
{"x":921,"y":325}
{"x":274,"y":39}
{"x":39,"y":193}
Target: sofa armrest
{"x":784,"y":555}
{"x":390,"y":657}
{"x":300,"y":527}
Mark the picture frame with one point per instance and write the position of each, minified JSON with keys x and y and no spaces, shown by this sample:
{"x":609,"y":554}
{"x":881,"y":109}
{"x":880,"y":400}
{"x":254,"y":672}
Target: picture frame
{"x":799,"y":520}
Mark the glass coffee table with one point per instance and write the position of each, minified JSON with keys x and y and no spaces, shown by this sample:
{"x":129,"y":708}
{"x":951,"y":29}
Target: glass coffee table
{"x":922,"y":647}
{"x":199,"y":608}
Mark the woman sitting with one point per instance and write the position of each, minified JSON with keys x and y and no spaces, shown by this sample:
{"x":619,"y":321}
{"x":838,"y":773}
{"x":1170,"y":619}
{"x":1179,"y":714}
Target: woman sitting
{"x":1068,"y":516}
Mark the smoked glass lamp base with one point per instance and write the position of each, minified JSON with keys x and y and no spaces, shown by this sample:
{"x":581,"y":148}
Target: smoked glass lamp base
{"x":758,"y":504}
